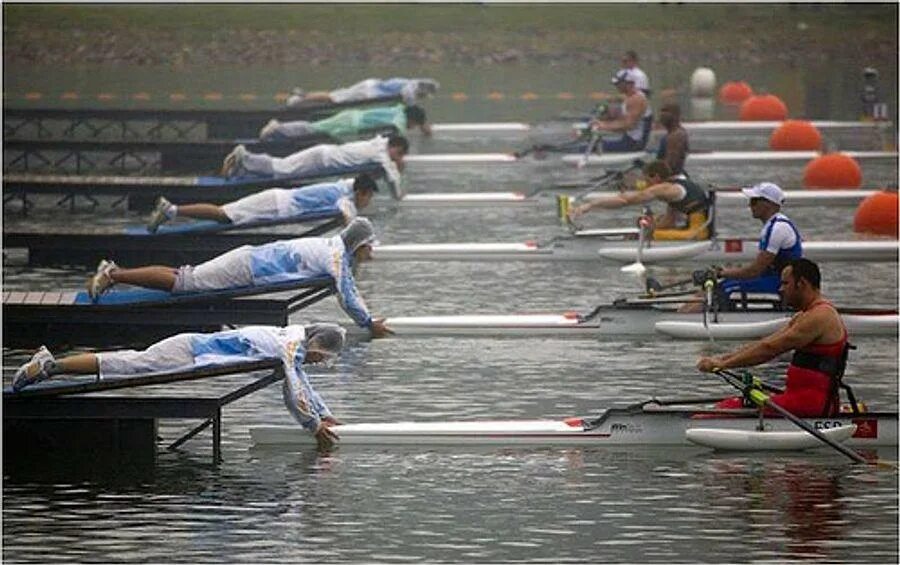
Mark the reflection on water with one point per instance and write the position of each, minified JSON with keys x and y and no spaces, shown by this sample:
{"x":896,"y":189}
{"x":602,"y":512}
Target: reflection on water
{"x":549,"y":505}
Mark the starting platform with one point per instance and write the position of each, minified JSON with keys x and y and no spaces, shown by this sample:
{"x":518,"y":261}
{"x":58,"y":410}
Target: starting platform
{"x":177,"y":248}
{"x":71,"y":423}
{"x":141,"y":192}
{"x":140,"y":317}
{"x":44,"y":123}
{"x":145,"y":156}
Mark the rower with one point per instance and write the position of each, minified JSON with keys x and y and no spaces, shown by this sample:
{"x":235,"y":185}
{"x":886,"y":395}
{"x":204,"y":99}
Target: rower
{"x":779,"y":242}
{"x":687,"y":205}
{"x":410,"y":89}
{"x":249,"y":266}
{"x":634,"y":120}
{"x":295,"y":345}
{"x":349,"y":124}
{"x":818,"y":338}
{"x":387,"y":152}
{"x":629,"y":62}
{"x":344,"y":197}
{"x":673,"y":146}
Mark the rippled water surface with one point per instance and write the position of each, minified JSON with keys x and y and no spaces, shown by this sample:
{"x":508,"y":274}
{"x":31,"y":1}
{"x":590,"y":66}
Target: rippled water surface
{"x":423,"y":504}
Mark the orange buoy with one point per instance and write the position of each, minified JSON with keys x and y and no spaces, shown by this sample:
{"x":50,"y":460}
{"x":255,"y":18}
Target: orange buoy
{"x":834,"y":170}
{"x":763,"y":108}
{"x":877,"y":214}
{"x":735,"y":92}
{"x":796,"y":135}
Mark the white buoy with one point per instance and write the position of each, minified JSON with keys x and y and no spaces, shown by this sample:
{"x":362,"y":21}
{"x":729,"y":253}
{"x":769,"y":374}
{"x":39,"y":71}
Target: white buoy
{"x":703,"y":82}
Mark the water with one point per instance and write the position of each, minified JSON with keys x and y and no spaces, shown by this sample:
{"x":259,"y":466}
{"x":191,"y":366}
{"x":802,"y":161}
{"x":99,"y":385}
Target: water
{"x":491,"y":505}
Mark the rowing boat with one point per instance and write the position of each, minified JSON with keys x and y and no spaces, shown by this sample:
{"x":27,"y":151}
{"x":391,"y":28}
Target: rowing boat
{"x":793,"y":198}
{"x":742,"y":157}
{"x":637,"y":425}
{"x":593,"y":245}
{"x":635,"y":317}
{"x":693,"y":127}
{"x":612,"y":159}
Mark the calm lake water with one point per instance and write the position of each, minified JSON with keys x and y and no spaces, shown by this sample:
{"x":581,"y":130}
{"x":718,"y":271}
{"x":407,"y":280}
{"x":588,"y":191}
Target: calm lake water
{"x":487,"y":505}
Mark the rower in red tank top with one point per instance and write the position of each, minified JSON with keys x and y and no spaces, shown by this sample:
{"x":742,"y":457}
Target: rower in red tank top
{"x":818,"y":338}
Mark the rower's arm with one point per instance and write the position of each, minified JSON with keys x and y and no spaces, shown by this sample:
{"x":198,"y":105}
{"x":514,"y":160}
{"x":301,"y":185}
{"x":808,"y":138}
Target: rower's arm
{"x":803,"y":329}
{"x":763,"y":260}
{"x":634,"y":109}
{"x":657,"y":191}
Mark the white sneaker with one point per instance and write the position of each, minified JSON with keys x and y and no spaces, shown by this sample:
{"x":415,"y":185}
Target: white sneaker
{"x":269,"y":129}
{"x":162,"y":213}
{"x":34,"y":371}
{"x":296,"y":97}
{"x":233,"y":162}
{"x":102,"y":280}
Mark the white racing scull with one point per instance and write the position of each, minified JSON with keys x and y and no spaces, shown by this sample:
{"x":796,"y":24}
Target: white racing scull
{"x":643,"y":317}
{"x":594,"y":245}
{"x":793,"y":198}
{"x":764,"y":127}
{"x":606,"y":159}
{"x":637,"y":425}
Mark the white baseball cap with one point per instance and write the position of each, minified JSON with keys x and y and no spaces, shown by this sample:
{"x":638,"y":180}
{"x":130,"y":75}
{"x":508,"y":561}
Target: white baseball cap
{"x":624,"y":75}
{"x":768,"y":190}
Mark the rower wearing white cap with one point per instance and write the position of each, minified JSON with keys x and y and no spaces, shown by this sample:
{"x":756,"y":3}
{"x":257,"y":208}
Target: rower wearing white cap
{"x":634,"y":120}
{"x":630,"y":62}
{"x":779,"y":242}
{"x":249,"y":266}
{"x":294,"y":345}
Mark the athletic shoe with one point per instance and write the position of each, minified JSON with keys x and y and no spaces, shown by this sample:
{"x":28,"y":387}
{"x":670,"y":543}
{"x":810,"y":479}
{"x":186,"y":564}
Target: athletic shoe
{"x":233,"y":161}
{"x":34,"y":371}
{"x":269,"y":129}
{"x":296,"y":97}
{"x":162,"y":213}
{"x":102,"y":280}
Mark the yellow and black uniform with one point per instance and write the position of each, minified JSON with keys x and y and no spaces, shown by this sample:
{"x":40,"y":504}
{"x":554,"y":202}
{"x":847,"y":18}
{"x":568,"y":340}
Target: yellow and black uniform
{"x":695,"y":205}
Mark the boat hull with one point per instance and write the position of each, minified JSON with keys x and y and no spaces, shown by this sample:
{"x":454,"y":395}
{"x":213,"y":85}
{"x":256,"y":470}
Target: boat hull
{"x":617,"y":428}
{"x":580,"y":248}
{"x":616,"y":322}
{"x":752,"y":440}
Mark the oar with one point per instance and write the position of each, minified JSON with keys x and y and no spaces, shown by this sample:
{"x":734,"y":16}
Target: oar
{"x":761,"y":399}
{"x":637,"y":268}
{"x":592,"y":144}
{"x":708,"y":286}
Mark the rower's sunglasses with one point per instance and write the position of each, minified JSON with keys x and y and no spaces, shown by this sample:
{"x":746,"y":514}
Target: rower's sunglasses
{"x":757,"y":200}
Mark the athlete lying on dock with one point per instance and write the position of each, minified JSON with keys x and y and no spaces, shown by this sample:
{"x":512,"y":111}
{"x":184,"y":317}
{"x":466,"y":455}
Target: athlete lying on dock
{"x":294,"y":345}
{"x":386,"y":152}
{"x":249,"y":266}
{"x":410,"y":89}
{"x":344,"y":197}
{"x":349,"y":124}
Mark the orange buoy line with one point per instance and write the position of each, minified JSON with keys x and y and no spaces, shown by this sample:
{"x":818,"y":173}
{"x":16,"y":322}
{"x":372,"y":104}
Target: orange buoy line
{"x":760,"y":108}
{"x":832,"y":170}
{"x":877,"y":214}
{"x":735,"y":92}
{"x":796,"y":135}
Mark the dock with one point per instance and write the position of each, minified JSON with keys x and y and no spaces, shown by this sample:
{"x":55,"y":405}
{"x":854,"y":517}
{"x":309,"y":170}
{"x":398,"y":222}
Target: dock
{"x":65,"y":425}
{"x":141,"y":192}
{"x":68,"y":318}
{"x":87,"y":249}
{"x":43,"y":123}
{"x":146,"y":156}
